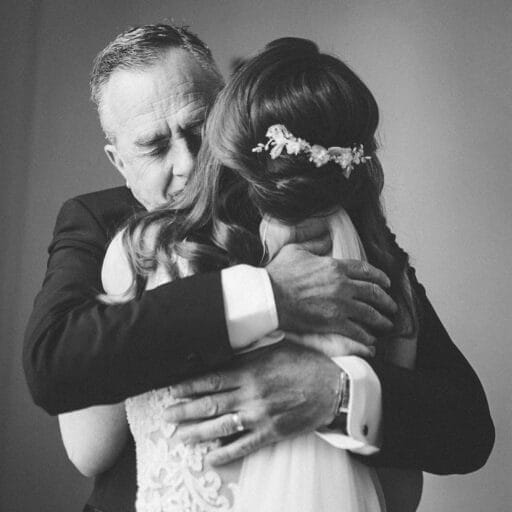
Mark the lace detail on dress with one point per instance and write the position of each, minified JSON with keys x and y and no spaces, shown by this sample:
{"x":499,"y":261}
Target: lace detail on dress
{"x":171,"y":475}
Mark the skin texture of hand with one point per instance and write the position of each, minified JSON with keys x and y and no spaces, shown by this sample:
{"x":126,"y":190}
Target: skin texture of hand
{"x":279,"y":391}
{"x":320,"y":294}
{"x":332,"y":345}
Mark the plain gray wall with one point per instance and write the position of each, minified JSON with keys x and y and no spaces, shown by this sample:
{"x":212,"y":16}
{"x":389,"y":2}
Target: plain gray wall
{"x":441,"y":72}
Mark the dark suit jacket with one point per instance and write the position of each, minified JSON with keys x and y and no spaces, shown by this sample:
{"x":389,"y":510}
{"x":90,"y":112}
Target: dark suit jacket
{"x":79,"y":353}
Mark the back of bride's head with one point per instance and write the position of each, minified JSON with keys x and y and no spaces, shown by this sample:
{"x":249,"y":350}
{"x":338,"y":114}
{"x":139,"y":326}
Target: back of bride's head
{"x":313,"y":97}
{"x":318,"y":99}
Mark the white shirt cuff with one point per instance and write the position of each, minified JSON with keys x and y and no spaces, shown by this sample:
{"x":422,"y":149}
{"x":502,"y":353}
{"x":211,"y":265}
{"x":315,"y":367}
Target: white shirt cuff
{"x":249,"y":304}
{"x":364,"y":409}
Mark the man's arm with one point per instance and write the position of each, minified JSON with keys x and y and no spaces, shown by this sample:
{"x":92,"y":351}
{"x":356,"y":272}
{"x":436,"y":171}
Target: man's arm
{"x":79,"y":352}
{"x":436,"y":417}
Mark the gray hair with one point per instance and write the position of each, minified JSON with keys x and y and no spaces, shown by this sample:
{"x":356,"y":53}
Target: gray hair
{"x":139,"y":47}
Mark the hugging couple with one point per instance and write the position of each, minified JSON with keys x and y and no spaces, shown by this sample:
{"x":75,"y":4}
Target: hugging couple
{"x":237,"y":328}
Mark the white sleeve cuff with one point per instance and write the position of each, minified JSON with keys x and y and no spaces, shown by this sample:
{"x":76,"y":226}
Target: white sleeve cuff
{"x":249,"y":304}
{"x":364,"y":409}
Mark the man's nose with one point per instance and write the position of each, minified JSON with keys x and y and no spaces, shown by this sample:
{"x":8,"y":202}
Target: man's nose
{"x":182,"y":165}
{"x":185,"y":159}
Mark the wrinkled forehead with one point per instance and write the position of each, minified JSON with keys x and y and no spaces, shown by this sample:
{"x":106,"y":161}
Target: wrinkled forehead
{"x":172,"y":88}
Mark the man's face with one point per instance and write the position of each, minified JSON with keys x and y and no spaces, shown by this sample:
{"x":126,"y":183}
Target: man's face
{"x":155,"y":116}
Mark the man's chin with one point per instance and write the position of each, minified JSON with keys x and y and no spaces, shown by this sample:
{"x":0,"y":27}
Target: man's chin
{"x":152,"y":204}
{"x":160,"y":202}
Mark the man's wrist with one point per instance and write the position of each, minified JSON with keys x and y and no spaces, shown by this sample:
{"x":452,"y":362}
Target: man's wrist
{"x":339,"y":421}
{"x":362,"y":432}
{"x":279,"y":300}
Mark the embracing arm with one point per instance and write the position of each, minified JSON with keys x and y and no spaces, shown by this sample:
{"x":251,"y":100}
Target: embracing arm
{"x":94,"y":437}
{"x":79,"y":352}
{"x":435,"y":417}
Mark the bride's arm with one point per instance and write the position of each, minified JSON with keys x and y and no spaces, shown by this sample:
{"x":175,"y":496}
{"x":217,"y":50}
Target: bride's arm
{"x":331,"y":344}
{"x":95,"y":437}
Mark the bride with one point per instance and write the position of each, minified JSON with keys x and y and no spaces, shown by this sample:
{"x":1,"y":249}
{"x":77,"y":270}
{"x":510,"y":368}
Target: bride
{"x":288,"y":146}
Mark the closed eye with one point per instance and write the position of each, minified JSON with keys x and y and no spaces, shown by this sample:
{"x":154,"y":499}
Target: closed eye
{"x":158,"y":149}
{"x":152,"y":145}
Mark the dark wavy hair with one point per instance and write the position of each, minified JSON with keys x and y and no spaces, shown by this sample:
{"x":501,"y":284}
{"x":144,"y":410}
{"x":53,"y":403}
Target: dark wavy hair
{"x":214,"y":223}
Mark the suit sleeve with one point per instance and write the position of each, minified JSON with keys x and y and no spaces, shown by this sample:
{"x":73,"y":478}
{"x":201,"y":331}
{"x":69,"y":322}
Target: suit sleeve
{"x":435,"y":417}
{"x":79,"y":352}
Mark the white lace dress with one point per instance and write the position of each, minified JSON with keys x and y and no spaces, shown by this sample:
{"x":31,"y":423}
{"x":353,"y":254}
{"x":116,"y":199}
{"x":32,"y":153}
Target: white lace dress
{"x":304,"y":474}
{"x":172,"y":476}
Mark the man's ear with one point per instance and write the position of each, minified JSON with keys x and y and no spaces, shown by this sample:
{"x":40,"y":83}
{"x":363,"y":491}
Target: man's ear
{"x":115,"y":158}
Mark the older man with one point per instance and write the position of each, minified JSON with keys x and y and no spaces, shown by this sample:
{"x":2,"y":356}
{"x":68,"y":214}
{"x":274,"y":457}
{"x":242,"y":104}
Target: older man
{"x":152,"y":86}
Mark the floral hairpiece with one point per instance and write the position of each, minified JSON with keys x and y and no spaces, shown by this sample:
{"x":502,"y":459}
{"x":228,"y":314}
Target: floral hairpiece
{"x":280,"y":138}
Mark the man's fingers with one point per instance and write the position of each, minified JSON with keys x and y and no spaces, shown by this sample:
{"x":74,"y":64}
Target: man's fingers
{"x":349,"y":347}
{"x":208,"y":430}
{"x":320,"y":246}
{"x":205,"y":407}
{"x":358,"y":333}
{"x":332,"y":345}
{"x":351,"y":329}
{"x":363,"y":271}
{"x":244,"y":445}
{"x":205,"y":384}
{"x":312,"y":228}
{"x":368,"y":316}
{"x":306,"y":340}
{"x":375,"y":296}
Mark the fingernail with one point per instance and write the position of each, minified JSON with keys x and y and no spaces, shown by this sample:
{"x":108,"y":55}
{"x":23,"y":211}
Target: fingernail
{"x":212,"y":460}
{"x":372,"y":351}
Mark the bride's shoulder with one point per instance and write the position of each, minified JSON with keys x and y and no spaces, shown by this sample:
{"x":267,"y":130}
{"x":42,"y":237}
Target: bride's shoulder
{"x":116,"y":273}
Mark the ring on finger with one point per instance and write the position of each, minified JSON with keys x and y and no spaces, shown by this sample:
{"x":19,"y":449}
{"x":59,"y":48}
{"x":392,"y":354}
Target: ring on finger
{"x":237,"y":422}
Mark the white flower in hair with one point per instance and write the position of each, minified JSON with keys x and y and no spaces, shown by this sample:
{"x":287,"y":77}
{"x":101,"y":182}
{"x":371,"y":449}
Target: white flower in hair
{"x":294,"y":147}
{"x":343,"y":157}
{"x":318,"y":155}
{"x":278,"y":132}
{"x":279,"y":138}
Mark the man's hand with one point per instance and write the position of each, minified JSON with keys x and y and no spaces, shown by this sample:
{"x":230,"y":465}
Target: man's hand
{"x":320,"y":294}
{"x":278,"y":392}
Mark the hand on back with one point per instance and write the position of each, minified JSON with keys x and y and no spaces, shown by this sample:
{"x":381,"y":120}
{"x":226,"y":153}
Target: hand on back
{"x":315,"y":293}
{"x":277,"y":392}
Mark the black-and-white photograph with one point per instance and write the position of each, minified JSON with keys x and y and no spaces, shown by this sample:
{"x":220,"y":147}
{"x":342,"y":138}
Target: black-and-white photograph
{"x":256,"y":256}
